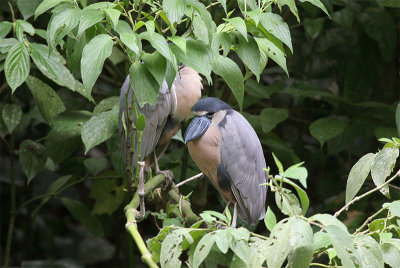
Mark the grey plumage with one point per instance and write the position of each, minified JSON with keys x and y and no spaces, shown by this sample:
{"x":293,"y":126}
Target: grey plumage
{"x":243,"y":159}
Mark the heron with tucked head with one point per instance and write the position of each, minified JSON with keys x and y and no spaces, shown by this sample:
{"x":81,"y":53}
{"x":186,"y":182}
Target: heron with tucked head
{"x":227,"y":150}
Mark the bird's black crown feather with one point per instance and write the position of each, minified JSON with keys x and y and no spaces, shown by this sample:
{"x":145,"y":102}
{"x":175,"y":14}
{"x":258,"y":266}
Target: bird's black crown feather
{"x":211,"y":105}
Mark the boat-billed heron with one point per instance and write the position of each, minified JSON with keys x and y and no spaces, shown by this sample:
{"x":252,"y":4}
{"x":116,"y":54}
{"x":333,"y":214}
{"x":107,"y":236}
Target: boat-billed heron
{"x":227,"y":150}
{"x":162,"y":120}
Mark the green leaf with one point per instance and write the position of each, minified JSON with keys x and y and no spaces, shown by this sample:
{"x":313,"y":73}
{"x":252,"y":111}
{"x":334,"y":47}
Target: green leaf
{"x":82,"y":214}
{"x":274,"y":24}
{"x":291,"y":5}
{"x":51,"y":64}
{"x":230,"y":72}
{"x":391,"y":252}
{"x":32,"y":157}
{"x":95,"y":165}
{"x":301,"y":243}
{"x":11,"y":114}
{"x":327,"y":220}
{"x":223,"y":4}
{"x":106,"y":104}
{"x":47,"y":100}
{"x":239,"y":25}
{"x":179,"y":41}
{"x":113,"y":16}
{"x":357,"y":176}
{"x":144,"y":84}
{"x":215,"y":214}
{"x":327,"y":128}
{"x":89,"y":17}
{"x":28,"y":7}
{"x":370,"y":252}
{"x":317,"y":3}
{"x":321,"y":240}
{"x":17,"y":65}
{"x":160,"y":44}
{"x":278,"y":163}
{"x":398,"y":118}
{"x":271,"y":50}
{"x":270,"y":219}
{"x":64,"y":139}
{"x":6,"y":44}
{"x":305,"y":202}
{"x":271,"y":117}
{"x":132,"y":41}
{"x":5,"y":27}
{"x":171,"y":250}
{"x":61,"y":24}
{"x":22,"y":26}
{"x":200,"y":29}
{"x":174,"y":9}
{"x":221,"y":39}
{"x":198,"y":56}
{"x":156,"y":64}
{"x":223,"y":240}
{"x":203,"y":248}
{"x":107,"y":193}
{"x":382,"y":167}
{"x":46,"y":5}
{"x":241,"y":249}
{"x":123,"y":27}
{"x":279,"y":247}
{"x":141,"y":122}
{"x":249,"y":53}
{"x":394,"y":208}
{"x":93,"y":56}
{"x":298,"y":173}
{"x":99,"y":128}
{"x":344,"y":246}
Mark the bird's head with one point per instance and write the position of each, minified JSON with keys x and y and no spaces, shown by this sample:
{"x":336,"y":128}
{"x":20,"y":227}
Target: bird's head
{"x":208,"y":111}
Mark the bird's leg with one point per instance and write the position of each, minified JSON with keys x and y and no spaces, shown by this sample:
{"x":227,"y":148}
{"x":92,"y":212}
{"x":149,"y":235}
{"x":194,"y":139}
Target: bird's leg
{"x":167,"y":173}
{"x":141,"y":189}
{"x":234,"y":218}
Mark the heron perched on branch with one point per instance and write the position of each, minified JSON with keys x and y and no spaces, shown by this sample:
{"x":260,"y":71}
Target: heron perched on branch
{"x":162,"y":120}
{"x":227,"y":150}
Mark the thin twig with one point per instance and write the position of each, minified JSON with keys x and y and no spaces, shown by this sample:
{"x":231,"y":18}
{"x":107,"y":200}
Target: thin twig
{"x":367,"y":193}
{"x":369,"y":219}
{"x":190,"y":179}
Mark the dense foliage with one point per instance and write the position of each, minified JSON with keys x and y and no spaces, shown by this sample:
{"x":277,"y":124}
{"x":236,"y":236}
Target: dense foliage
{"x":318,"y":80}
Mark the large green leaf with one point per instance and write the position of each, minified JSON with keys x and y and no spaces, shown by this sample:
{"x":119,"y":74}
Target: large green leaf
{"x":274,"y":24}
{"x":317,"y":3}
{"x":132,"y":41}
{"x":93,"y":56}
{"x":279,"y":247}
{"x":99,"y":128}
{"x":175,"y":9}
{"x":301,"y":243}
{"x":230,"y":72}
{"x":5,"y":27}
{"x":271,"y":117}
{"x":171,"y":250}
{"x":391,"y":252}
{"x":239,"y":25}
{"x":160,"y":44}
{"x":82,"y":214}
{"x":61,"y":24}
{"x":22,"y":26}
{"x":64,"y":139}
{"x":179,"y":41}
{"x":200,"y":29}
{"x":144,"y":84}
{"x":270,"y":219}
{"x":249,"y":53}
{"x":370,"y":252}
{"x":157,"y":65}
{"x":327,"y":219}
{"x":11,"y":115}
{"x":89,"y":17}
{"x":32,"y":157}
{"x":108,"y":195}
{"x":113,"y":16}
{"x":203,"y":248}
{"x":51,"y":64}
{"x":47,"y":100}
{"x":28,"y":7}
{"x":271,"y":50}
{"x":46,"y":5}
{"x":198,"y":56}
{"x":17,"y":65}
{"x":327,"y":128}
{"x":291,"y":5}
{"x":382,"y":166}
{"x":344,"y":246}
{"x":357,"y":176}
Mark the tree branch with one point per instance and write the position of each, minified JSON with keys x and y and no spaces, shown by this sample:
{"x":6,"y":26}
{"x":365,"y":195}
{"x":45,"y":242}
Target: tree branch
{"x":367,"y":193}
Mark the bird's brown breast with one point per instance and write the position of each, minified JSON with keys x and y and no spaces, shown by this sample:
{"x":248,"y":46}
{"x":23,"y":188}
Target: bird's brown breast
{"x":205,"y":152}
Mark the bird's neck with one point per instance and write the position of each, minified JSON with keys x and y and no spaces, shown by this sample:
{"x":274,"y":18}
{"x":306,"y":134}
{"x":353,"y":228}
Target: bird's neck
{"x":188,"y":91}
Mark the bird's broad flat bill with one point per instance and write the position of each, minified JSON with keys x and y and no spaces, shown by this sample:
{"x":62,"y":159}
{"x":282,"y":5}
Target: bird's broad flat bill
{"x":197,"y":128}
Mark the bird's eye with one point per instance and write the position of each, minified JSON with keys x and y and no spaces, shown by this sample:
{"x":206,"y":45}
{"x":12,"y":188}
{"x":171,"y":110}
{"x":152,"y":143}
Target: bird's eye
{"x":209,"y":115}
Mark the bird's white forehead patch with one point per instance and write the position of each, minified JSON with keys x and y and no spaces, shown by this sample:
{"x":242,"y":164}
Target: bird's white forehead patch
{"x":199,"y":113}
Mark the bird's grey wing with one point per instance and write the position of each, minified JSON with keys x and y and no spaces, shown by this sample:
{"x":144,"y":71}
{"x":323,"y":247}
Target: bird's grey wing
{"x":243,"y":159}
{"x":156,"y":116}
